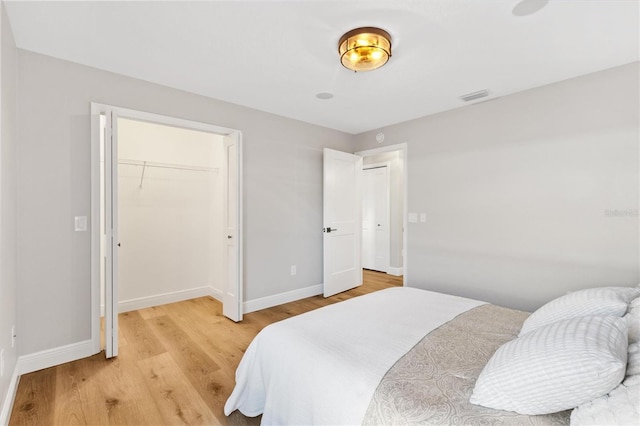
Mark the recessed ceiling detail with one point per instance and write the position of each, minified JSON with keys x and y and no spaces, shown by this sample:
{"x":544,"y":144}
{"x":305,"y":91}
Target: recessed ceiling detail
{"x":475,"y":95}
{"x":528,"y":7}
{"x":324,"y":95}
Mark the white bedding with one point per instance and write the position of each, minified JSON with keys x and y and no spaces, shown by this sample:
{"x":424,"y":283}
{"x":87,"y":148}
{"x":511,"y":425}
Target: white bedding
{"x":323,"y":367}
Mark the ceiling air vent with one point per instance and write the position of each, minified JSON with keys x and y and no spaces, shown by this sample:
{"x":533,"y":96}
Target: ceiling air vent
{"x":475,"y":95}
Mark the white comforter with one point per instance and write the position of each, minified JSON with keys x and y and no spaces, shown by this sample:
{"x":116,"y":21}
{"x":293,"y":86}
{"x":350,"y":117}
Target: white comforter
{"x":323,"y":367}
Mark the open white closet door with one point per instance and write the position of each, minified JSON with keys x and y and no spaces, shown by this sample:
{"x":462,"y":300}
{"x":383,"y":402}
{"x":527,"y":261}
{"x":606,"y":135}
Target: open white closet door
{"x":111,"y":240}
{"x":342,"y":216}
{"x":232,"y":296}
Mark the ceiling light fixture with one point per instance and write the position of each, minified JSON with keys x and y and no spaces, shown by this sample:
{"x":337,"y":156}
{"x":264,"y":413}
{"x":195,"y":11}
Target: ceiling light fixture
{"x":364,"y":49}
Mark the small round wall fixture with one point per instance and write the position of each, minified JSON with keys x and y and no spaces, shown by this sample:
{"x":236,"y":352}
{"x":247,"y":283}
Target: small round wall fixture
{"x":364,"y":49}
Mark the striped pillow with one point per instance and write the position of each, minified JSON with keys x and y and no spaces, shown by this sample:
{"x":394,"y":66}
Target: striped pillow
{"x":556,"y":367}
{"x":601,"y":301}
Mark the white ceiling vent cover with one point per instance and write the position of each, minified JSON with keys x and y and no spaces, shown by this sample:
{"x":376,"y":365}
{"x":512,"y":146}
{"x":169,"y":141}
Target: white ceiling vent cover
{"x":475,"y":95}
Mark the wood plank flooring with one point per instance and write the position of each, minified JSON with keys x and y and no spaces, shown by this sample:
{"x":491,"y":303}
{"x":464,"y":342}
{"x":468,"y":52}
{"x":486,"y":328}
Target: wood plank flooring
{"x":176,"y":365}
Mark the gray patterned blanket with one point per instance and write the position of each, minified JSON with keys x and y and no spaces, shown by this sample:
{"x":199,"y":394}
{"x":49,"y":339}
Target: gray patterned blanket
{"x":431,"y":384}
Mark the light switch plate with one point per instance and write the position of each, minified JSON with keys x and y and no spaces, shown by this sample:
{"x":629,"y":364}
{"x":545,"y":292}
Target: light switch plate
{"x":413,"y":217}
{"x":80,"y":223}
{"x":423,"y":217}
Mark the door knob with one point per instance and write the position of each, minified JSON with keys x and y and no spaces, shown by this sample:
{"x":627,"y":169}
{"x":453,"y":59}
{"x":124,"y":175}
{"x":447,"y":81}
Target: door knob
{"x":328,"y":230}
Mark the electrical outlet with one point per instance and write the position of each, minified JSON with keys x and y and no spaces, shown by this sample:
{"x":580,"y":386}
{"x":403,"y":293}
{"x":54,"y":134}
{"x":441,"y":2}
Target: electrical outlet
{"x":13,"y":336}
{"x":1,"y":362}
{"x":293,"y":269}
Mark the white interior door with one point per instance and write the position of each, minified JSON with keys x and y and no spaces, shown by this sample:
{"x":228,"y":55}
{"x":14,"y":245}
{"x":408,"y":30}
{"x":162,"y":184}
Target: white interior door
{"x":111,"y":240}
{"x":342,"y":215}
{"x":376,"y":234}
{"x":232,"y":296}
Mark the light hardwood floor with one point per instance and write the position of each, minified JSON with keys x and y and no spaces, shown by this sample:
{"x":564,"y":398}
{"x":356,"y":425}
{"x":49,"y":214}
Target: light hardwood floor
{"x":176,"y":366}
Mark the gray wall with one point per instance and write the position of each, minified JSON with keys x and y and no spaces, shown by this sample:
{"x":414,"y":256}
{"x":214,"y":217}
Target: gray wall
{"x":527,"y":196}
{"x":8,"y":196}
{"x":520,"y":192}
{"x":282,"y":190}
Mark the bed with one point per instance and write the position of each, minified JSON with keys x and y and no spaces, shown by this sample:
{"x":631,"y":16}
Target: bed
{"x":396,"y":356}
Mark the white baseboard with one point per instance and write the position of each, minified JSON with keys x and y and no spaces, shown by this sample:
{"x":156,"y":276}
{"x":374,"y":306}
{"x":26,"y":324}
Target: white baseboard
{"x":163,"y":299}
{"x":55,"y":356}
{"x":279,"y":299}
{"x":7,"y":405}
{"x":216,"y":294}
{"x":395,"y":271}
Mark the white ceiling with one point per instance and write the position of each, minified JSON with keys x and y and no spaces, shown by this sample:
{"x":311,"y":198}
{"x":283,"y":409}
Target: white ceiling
{"x":276,"y":56}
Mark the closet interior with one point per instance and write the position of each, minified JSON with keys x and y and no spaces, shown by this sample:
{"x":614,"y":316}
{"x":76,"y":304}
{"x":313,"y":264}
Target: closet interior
{"x":170,"y":214}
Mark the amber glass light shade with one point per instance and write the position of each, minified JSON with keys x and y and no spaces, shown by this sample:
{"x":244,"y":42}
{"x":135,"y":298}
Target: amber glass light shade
{"x":364,"y":49}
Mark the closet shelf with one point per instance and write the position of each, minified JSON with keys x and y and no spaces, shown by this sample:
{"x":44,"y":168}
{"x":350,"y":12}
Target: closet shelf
{"x":145,"y":164}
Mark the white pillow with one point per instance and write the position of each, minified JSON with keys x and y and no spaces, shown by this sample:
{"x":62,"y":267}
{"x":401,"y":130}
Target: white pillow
{"x":600,"y":301}
{"x":620,"y":407}
{"x":556,"y":367}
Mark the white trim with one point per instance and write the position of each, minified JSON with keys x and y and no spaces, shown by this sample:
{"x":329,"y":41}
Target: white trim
{"x":55,"y":356}
{"x":216,"y":294}
{"x":382,"y":149}
{"x":394,"y":271}
{"x":5,"y":414}
{"x":96,"y":252}
{"x":164,"y":298}
{"x":281,"y":298}
{"x":403,"y":148}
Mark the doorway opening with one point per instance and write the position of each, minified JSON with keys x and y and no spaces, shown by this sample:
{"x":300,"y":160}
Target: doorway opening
{"x":383,"y":209}
{"x":168,"y":195}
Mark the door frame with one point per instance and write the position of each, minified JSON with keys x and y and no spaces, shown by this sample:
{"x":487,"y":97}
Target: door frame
{"x":387,"y":194}
{"x":96,"y":251}
{"x":403,"y":148}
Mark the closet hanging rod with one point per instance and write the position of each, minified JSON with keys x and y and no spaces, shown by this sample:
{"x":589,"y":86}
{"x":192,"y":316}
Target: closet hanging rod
{"x":166,"y":165}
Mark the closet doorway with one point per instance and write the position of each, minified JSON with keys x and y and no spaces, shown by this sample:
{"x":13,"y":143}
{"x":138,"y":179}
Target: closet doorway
{"x":169,"y":202}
